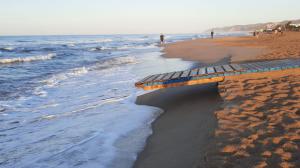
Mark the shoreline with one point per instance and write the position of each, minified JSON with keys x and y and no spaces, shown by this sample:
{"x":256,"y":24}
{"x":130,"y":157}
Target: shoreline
{"x":183,"y":129}
{"x":162,"y":151}
{"x":170,"y":138}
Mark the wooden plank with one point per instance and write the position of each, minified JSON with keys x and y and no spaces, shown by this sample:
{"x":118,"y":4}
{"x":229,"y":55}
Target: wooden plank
{"x":272,"y":65}
{"x":177,"y":75}
{"x":146,"y":78}
{"x":219,"y":69}
{"x":152,"y":78}
{"x":210,"y":70}
{"x":173,"y":79}
{"x":227,"y":68}
{"x":168,"y":76}
{"x":248,"y":67}
{"x":160,"y":77}
{"x":285,"y":64}
{"x":236,"y":67}
{"x":264,"y":65}
{"x":184,"y":83}
{"x":275,"y":64}
{"x":194,"y":72}
{"x":202,"y":71}
{"x":185,"y":74}
{"x":253,"y":67}
{"x":257,"y":66}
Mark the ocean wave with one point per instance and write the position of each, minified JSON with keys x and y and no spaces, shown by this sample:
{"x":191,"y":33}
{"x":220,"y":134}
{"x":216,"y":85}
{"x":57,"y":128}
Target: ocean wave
{"x":57,"y":78}
{"x":24,"y":41}
{"x":26,"y":59}
{"x":96,"y":49}
{"x":7,"y":49}
{"x":103,"y":40}
{"x":2,"y":109}
{"x":104,"y":64}
{"x":122,"y":48}
{"x":102,"y":48}
{"x":69,"y":45}
{"x":114,"y":62}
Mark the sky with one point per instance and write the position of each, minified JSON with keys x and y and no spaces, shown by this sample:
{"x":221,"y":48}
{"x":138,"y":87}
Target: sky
{"x":69,"y":17}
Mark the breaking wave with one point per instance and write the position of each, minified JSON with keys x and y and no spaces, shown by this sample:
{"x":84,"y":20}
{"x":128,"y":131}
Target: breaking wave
{"x":7,"y":49}
{"x":105,"y":64}
{"x":96,"y":49}
{"x":56,"y":79}
{"x":26,"y":59}
{"x":114,"y":62}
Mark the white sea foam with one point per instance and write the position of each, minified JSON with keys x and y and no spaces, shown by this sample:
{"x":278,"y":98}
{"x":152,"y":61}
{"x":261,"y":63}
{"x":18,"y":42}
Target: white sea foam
{"x":57,"y":78}
{"x":7,"y":49}
{"x":103,"y":40}
{"x":84,"y":117}
{"x":2,"y":109}
{"x":97,"y":49}
{"x":71,"y":45}
{"x":110,"y":63}
{"x":27,"y":59}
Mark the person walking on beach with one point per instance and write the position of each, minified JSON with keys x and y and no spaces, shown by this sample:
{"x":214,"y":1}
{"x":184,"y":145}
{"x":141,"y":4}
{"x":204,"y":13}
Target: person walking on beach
{"x":212,"y":34}
{"x":162,"y":38}
{"x":280,"y":31}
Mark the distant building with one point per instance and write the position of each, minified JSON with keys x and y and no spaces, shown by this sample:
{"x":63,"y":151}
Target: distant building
{"x":295,"y":25}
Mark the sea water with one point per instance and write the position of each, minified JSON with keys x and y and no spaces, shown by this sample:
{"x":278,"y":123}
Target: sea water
{"x":69,"y":101}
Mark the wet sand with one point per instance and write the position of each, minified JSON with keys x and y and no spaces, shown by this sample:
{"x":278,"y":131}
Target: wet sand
{"x":254,"y":118}
{"x":183,"y":130}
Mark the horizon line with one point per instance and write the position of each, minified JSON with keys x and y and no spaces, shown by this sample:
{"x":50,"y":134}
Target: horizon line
{"x":97,"y":34}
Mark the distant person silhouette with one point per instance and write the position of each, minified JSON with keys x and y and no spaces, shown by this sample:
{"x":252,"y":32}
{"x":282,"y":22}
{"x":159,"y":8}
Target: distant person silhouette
{"x":162,"y":38}
{"x":212,"y":34}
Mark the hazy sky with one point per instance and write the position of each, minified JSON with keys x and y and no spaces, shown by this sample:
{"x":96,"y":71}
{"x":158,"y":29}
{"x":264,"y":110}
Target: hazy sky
{"x":26,"y":17}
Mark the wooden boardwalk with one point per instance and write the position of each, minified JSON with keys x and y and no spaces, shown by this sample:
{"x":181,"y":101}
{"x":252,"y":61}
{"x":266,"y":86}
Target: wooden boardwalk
{"x":212,"y":74}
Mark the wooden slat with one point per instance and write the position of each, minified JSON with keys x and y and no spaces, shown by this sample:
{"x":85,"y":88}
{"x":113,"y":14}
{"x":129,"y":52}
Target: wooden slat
{"x":236,"y":67}
{"x":246,"y":66}
{"x":288,"y":63}
{"x":209,"y":74}
{"x":169,"y":75}
{"x":177,"y":75}
{"x":146,"y":78}
{"x":257,"y":66}
{"x":202,"y":71}
{"x":194,"y":72}
{"x":271,"y":64}
{"x":219,"y":69}
{"x":210,"y":70}
{"x":160,"y":77}
{"x":185,"y":74}
{"x":253,"y":67}
{"x":152,"y":78}
{"x":227,"y":68}
{"x":264,"y":65}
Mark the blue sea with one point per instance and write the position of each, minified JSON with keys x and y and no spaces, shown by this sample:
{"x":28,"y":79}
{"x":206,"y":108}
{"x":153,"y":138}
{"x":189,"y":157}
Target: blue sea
{"x":69,"y":101}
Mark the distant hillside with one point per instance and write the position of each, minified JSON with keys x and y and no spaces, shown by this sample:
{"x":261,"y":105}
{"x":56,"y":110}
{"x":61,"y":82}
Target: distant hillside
{"x":249,"y":27}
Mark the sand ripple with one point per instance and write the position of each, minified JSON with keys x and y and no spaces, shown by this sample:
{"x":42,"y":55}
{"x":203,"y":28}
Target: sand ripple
{"x":259,"y":123}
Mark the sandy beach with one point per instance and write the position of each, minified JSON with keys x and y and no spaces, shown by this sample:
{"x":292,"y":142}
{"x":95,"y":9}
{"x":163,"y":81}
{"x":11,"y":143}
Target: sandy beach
{"x":246,"y":121}
{"x":239,"y":49}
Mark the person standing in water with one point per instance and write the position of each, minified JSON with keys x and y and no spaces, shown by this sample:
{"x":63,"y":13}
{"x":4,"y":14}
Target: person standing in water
{"x":162,"y":38}
{"x":212,"y":34}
